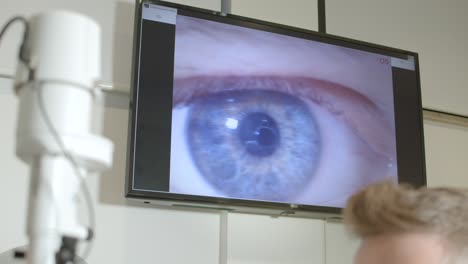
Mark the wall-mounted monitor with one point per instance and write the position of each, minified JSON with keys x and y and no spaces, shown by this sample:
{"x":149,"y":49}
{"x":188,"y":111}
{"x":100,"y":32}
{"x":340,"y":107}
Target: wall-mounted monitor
{"x":240,"y":114}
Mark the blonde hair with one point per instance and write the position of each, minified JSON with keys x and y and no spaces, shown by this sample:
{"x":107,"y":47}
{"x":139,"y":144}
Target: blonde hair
{"x":386,"y":208}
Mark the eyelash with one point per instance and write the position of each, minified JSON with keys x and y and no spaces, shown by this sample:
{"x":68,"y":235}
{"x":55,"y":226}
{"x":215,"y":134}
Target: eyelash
{"x":314,"y":91}
{"x":335,"y":98}
{"x":188,"y":88}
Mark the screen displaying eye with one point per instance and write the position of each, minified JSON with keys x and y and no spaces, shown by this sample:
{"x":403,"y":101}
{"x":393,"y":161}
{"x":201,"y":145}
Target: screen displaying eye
{"x":253,"y":118}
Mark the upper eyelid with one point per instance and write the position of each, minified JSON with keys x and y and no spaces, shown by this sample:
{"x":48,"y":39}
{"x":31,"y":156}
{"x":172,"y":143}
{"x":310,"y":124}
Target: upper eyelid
{"x":318,"y":91}
{"x":360,"y":113}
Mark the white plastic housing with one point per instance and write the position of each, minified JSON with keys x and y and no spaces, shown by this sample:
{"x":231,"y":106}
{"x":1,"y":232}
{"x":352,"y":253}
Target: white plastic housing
{"x":65,"y":45}
{"x":64,"y":49}
{"x":65,"y":53}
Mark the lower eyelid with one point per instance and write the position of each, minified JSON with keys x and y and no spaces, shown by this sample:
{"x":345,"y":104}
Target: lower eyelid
{"x":376,"y":131}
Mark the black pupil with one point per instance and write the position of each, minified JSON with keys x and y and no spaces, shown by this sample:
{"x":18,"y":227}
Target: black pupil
{"x":259,"y":134}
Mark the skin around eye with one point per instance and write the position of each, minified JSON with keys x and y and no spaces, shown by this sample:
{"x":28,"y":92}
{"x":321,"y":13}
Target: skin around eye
{"x":348,"y":91}
{"x":205,"y":48}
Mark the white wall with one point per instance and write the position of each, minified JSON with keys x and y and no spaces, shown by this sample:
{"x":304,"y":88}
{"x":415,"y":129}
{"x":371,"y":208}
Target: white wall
{"x":433,"y":28}
{"x":133,"y":233}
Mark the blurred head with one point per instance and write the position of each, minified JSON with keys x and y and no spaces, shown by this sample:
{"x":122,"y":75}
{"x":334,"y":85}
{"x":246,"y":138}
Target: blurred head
{"x":399,"y":224}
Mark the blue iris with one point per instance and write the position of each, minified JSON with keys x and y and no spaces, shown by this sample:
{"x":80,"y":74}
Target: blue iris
{"x":254,"y":144}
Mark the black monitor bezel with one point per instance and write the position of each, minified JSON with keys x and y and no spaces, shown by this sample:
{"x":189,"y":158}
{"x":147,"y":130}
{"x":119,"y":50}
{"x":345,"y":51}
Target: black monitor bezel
{"x":230,"y":203}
